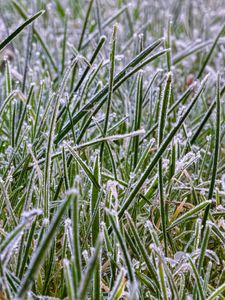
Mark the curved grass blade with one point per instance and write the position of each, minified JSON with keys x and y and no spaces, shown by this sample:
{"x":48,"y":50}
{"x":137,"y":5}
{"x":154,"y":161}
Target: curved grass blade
{"x":84,"y":166}
{"x":17,"y":230}
{"x":194,"y":48}
{"x":110,"y":138}
{"x":95,"y":214}
{"x":4,"y":105}
{"x":12,"y":36}
{"x":48,"y":161}
{"x":137,"y":117}
{"x":23,"y":14}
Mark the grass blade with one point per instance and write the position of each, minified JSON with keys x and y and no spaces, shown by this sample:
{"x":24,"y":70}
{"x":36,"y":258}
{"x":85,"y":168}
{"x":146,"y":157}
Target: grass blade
{"x":95,"y":214}
{"x":42,"y":249}
{"x":162,"y":123}
{"x":111,"y":82}
{"x":22,"y":13}
{"x":198,"y":280}
{"x":217,"y":292}
{"x":84,"y":166}
{"x":160,"y":151}
{"x":19,"y":29}
{"x":216,"y":154}
{"x":137,"y":117}
{"x":47,"y":171}
{"x":124,"y":250}
{"x":208,"y":56}
{"x":90,"y":271}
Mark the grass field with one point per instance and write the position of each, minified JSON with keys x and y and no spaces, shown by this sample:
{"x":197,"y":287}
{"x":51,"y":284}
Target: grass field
{"x":112,"y":149}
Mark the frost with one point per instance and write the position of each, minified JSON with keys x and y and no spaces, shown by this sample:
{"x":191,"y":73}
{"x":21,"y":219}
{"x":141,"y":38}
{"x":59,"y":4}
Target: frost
{"x":68,"y":222}
{"x":223,"y":181}
{"x":220,"y":208}
{"x":112,"y":186}
{"x":66,"y":262}
{"x":45,"y":222}
{"x":85,"y":255}
{"x":30,"y":214}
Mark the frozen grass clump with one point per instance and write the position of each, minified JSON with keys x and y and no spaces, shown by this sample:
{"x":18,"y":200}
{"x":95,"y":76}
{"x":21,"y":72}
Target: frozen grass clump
{"x":112,"y":126}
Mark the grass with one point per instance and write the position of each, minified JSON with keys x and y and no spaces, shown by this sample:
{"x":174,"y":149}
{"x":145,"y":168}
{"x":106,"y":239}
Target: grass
{"x":112,"y":150}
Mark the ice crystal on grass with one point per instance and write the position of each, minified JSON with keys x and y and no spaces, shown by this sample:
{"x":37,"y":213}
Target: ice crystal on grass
{"x":97,"y":139}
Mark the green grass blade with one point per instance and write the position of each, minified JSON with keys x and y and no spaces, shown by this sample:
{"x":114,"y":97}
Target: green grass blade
{"x":84,"y":166}
{"x":48,"y":161}
{"x":23,"y":116}
{"x":209,"y":55}
{"x":162,"y":280}
{"x":69,"y":279}
{"x":23,"y":14}
{"x":123,"y":248}
{"x":85,"y":24}
{"x":142,"y":250}
{"x":204,"y":245}
{"x":217,"y":292}
{"x":95,"y":214}
{"x":111,"y":82}
{"x":118,"y":80}
{"x":90,"y":271}
{"x":198,"y":280}
{"x":19,"y":29}
{"x":76,"y":235}
{"x":162,"y":122}
{"x":160,"y":151}
{"x":41,"y":250}
{"x":137,"y":117}
{"x":216,"y":153}
{"x":190,"y":213}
